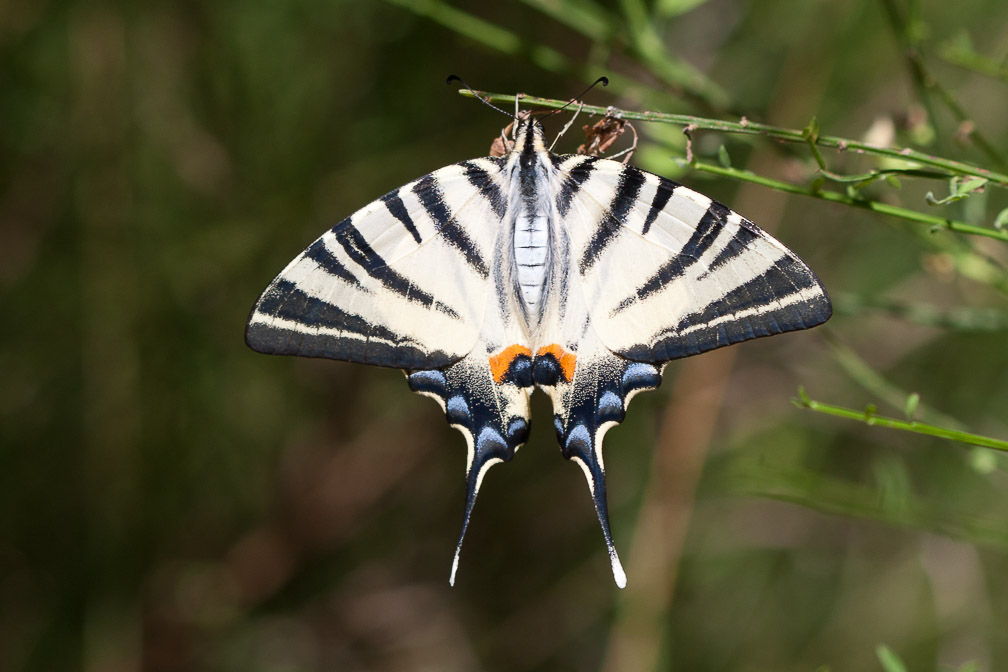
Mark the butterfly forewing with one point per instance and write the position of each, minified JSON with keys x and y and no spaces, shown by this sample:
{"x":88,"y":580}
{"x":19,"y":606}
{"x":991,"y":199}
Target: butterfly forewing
{"x":401,"y":282}
{"x":677,"y":274}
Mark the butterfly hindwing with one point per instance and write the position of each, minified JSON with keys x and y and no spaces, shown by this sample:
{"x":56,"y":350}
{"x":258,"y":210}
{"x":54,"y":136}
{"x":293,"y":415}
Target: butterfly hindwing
{"x":401,"y":282}
{"x":491,"y":411}
{"x":590,"y":388}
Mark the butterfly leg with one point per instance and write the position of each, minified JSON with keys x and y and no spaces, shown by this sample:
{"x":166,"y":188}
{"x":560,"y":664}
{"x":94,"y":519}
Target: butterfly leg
{"x":492,"y":415}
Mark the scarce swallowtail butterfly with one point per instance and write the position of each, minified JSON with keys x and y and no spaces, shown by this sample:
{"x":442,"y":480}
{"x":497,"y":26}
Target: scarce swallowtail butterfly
{"x":573,"y":274}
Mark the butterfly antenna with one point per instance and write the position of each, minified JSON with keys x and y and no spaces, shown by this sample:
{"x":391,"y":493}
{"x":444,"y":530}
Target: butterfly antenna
{"x":604,"y":81}
{"x":456,"y":78}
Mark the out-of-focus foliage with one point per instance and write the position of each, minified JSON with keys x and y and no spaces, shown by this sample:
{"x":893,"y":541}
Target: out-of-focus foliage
{"x":170,"y":500}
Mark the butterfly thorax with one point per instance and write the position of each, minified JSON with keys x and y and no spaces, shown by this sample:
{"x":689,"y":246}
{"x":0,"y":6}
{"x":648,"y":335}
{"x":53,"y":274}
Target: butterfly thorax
{"x":531,"y":217}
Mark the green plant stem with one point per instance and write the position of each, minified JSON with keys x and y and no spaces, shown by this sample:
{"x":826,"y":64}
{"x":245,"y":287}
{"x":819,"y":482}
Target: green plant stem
{"x":864,"y":203}
{"x":965,"y":57}
{"x":587,"y":18}
{"x":965,"y":319}
{"x":907,"y":31}
{"x":592,"y":22}
{"x":746,"y":127}
{"x":869,"y":417}
{"x":878,"y":386}
{"x":648,"y":45}
{"x":489,"y":34}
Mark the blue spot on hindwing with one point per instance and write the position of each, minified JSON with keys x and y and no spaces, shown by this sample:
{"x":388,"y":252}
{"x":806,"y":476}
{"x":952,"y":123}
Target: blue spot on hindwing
{"x":457,"y":411}
{"x":517,"y":432}
{"x":610,"y":407}
{"x":578,"y":442}
{"x":640,"y":376}
{"x":546,"y":370}
{"x":489,"y":444}
{"x":431,"y":381}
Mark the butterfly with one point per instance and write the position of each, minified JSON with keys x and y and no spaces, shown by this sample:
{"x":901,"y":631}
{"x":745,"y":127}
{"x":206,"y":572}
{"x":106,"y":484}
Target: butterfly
{"x":576,"y":275}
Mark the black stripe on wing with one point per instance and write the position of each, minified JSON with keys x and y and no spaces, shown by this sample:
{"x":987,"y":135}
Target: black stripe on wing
{"x":355,"y":338}
{"x":320,"y":254}
{"x":661,"y":198}
{"x":700,"y":240}
{"x":736,"y":247}
{"x":287,"y":301}
{"x":432,"y":200}
{"x":630,"y":182}
{"x":572,"y":182}
{"x":484,"y":182}
{"x":357,"y":248}
{"x":398,"y":210}
{"x":765,"y":297}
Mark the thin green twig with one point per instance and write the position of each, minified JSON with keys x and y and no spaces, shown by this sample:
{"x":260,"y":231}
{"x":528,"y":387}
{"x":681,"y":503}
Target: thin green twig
{"x":961,"y":53}
{"x":490,"y":34}
{"x":966,"y":319}
{"x":934,"y":221}
{"x":650,"y":48}
{"x":597,"y":25}
{"x":871,"y":380}
{"x":746,"y":127}
{"x":908,"y":30}
{"x":965,"y":260}
{"x":870,"y":417}
{"x":585,"y":17}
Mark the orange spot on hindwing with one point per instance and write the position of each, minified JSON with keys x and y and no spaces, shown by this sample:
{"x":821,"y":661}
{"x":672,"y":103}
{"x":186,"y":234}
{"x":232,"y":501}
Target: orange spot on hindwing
{"x":565,"y":360}
{"x":500,"y":364}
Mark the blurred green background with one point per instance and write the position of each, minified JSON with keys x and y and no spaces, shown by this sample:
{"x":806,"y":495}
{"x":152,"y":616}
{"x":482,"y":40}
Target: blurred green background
{"x":170,"y":500}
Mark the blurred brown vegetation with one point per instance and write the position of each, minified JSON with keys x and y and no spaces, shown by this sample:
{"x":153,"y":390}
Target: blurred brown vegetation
{"x":170,"y":500}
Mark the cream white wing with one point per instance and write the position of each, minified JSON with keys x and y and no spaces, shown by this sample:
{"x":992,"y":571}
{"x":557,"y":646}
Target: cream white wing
{"x":667,"y":272}
{"x":401,"y":283}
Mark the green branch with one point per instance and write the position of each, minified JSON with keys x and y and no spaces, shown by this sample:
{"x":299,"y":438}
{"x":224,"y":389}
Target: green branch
{"x":489,"y":34}
{"x":636,"y":31}
{"x":870,"y":417}
{"x":867,"y":204}
{"x":908,"y":29}
{"x":878,"y":386}
{"x":960,"y":52}
{"x":746,"y":127}
{"x":969,"y":319}
{"x":649,"y":47}
{"x":601,"y":27}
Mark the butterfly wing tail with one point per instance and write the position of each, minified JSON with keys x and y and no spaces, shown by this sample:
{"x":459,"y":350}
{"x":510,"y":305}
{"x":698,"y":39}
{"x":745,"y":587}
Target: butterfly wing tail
{"x":582,"y":421}
{"x":580,"y":447}
{"x":493,"y":418}
{"x":488,"y":451}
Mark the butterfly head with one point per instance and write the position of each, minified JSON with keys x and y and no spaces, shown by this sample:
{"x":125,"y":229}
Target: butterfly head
{"x":529,"y":137}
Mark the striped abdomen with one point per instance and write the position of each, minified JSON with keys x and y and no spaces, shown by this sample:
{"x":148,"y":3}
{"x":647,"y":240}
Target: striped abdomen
{"x":531,"y":255}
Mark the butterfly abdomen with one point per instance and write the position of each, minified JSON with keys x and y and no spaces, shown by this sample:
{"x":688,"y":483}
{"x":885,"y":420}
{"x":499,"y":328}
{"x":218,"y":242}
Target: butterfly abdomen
{"x":531,"y":255}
